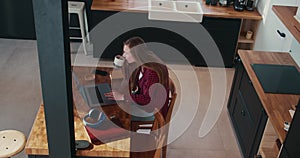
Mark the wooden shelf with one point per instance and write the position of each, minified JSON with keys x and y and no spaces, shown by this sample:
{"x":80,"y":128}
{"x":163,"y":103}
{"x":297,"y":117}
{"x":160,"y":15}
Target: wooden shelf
{"x":247,"y":25}
{"x":286,"y":15}
{"x":267,"y":153}
{"x":268,"y":146}
{"x":242,"y":39}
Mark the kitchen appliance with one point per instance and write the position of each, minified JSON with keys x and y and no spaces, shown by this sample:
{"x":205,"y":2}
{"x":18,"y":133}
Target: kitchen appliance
{"x":223,"y":2}
{"x":283,"y":79}
{"x":239,"y":5}
{"x":250,"y":5}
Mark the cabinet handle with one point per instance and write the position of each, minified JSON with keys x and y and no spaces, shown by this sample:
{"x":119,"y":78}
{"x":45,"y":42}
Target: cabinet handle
{"x":243,"y":113}
{"x":281,"y":34}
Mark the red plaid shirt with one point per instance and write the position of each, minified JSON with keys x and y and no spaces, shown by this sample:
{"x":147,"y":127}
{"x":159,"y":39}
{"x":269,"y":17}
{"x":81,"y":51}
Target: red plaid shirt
{"x":155,"y":96}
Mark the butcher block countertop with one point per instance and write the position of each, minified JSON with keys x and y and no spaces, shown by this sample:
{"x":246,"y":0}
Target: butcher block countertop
{"x":276,"y":105}
{"x":142,"y":6}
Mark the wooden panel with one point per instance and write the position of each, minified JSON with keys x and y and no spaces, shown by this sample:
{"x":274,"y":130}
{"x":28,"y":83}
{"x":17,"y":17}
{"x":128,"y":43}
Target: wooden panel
{"x":286,"y":15}
{"x":268,"y":146}
{"x":142,"y":5}
{"x":276,"y":105}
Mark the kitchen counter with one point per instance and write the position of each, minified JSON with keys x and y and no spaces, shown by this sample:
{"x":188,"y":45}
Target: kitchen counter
{"x":141,"y":6}
{"x":257,"y":116}
{"x":275,"y":105}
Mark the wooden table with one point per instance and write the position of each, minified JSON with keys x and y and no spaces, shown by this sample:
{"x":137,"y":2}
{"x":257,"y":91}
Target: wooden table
{"x":37,"y":143}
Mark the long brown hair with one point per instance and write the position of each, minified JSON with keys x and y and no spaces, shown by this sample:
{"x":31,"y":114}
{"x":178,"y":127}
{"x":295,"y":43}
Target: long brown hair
{"x":144,"y":58}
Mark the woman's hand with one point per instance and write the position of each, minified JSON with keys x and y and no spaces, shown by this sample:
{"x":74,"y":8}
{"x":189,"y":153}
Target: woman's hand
{"x":114,"y":95}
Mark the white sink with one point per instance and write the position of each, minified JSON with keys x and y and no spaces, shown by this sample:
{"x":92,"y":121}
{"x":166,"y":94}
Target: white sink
{"x":182,"y":11}
{"x":160,"y":5}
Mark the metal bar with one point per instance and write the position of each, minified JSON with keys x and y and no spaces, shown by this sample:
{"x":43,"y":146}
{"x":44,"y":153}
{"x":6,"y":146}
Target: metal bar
{"x":51,"y":24}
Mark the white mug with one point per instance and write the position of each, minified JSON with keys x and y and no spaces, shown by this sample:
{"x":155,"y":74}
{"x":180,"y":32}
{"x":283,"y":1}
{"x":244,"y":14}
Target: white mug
{"x":119,"y":61}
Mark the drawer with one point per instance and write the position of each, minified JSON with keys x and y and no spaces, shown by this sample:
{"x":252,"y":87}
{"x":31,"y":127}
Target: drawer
{"x":252,"y":101}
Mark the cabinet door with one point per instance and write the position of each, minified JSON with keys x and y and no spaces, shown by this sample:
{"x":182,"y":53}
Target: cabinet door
{"x":267,"y":37}
{"x":239,"y":70}
{"x":244,"y":125}
{"x":272,"y":35}
{"x":247,"y":113}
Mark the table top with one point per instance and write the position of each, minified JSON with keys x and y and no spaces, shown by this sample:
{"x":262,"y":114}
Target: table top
{"x":37,"y":143}
{"x":276,"y":105}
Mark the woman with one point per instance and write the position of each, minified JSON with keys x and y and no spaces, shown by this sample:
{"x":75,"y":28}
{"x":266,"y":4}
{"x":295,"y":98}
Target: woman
{"x":146,"y":78}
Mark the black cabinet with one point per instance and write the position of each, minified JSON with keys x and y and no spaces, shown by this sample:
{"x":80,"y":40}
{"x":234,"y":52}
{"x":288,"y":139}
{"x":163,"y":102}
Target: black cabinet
{"x":292,"y":142}
{"x":17,"y":19}
{"x":222,"y":31}
{"x":246,"y":112}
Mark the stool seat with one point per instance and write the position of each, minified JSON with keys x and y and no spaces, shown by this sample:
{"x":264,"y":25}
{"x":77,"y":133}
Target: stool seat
{"x":11,"y":142}
{"x":75,"y":7}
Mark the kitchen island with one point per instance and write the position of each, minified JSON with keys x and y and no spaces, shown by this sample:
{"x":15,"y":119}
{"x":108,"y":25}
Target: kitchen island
{"x":250,"y":107}
{"x":224,"y":26}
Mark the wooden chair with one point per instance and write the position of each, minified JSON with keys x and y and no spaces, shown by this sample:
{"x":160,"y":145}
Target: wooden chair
{"x":156,"y":136}
{"x":172,"y":99}
{"x":11,"y":143}
{"x":147,"y":124}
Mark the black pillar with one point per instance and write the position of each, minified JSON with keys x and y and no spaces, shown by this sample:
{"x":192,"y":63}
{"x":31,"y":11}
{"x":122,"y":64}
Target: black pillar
{"x":51,"y":24}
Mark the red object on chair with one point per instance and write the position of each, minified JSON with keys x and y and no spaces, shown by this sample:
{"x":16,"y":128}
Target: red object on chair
{"x":107,"y":132}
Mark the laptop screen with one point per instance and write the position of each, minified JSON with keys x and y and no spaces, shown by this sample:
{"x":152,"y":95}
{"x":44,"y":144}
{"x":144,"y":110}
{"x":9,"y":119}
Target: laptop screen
{"x":94,"y":94}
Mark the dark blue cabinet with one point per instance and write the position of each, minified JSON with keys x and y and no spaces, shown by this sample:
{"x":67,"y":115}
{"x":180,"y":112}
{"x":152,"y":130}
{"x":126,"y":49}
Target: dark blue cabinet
{"x":246,"y":112}
{"x":223,"y":31}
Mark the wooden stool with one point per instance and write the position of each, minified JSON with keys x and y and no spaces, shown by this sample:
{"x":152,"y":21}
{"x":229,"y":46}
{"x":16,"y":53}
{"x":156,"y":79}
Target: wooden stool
{"x":11,"y":143}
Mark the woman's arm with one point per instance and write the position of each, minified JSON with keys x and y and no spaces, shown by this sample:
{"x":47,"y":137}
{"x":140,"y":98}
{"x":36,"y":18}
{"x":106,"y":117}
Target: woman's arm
{"x":142,"y":97}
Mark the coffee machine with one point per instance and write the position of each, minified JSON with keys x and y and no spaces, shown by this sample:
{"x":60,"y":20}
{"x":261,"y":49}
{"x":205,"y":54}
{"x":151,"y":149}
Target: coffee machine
{"x":250,"y":5}
{"x":240,"y":5}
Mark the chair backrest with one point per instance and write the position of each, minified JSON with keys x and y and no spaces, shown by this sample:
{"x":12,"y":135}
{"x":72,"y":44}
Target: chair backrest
{"x":158,"y":125}
{"x":152,"y":141}
{"x":172,"y":99}
{"x":159,"y":120}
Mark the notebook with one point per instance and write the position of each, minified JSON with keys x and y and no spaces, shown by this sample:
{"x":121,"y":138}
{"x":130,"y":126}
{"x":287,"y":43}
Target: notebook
{"x":94,"y":94}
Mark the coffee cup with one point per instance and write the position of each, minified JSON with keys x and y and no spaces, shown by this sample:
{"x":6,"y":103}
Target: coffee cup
{"x":119,"y":61}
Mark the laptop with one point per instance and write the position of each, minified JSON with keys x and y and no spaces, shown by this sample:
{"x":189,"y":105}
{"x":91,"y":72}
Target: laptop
{"x":94,"y":94}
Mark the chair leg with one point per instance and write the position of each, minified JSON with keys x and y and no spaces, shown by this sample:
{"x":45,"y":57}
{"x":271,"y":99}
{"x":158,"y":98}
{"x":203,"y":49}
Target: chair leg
{"x":164,"y":152}
{"x":81,"y":23}
{"x":86,"y":26}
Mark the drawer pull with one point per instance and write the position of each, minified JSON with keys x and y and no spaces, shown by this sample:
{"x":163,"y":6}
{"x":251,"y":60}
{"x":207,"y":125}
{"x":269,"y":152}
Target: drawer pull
{"x":243,"y":113}
{"x":281,"y":34}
